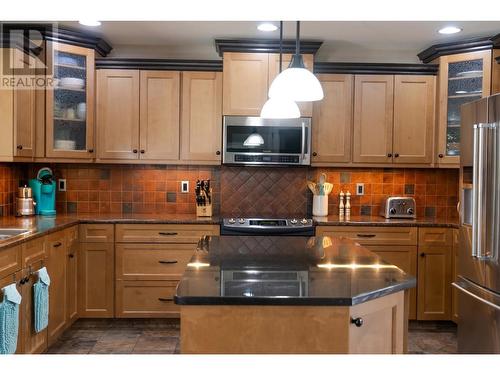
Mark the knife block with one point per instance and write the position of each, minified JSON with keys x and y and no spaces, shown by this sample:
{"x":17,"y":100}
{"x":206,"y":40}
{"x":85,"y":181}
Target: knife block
{"x":204,"y":211}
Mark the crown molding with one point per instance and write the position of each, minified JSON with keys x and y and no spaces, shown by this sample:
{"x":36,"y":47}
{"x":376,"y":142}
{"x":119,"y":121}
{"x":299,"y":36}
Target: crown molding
{"x":462,"y":46}
{"x":375,"y":68}
{"x":159,"y":64}
{"x":264,"y":46}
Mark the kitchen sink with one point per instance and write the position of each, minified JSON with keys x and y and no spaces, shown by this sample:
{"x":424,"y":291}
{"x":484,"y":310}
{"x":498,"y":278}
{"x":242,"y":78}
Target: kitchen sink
{"x":8,"y":233}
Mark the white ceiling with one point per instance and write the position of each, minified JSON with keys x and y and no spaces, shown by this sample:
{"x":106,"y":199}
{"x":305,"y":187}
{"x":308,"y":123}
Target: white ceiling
{"x":348,"y":41}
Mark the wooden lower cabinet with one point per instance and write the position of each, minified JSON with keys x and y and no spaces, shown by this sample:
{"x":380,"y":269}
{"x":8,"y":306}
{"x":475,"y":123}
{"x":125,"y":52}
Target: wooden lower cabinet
{"x":33,"y":342}
{"x":454,"y":267}
{"x":96,"y":280}
{"x":146,"y":299}
{"x":72,"y":274}
{"x":434,"y":283}
{"x":405,"y":257}
{"x":316,"y":329}
{"x":7,"y":280}
{"x":57,"y":269}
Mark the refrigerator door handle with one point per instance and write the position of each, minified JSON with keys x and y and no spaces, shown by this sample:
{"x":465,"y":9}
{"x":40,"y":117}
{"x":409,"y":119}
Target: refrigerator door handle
{"x":462,"y":289}
{"x":475,"y":189}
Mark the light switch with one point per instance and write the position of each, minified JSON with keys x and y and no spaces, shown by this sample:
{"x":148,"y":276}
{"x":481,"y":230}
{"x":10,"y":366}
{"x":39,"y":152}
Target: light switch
{"x":184,"y":186}
{"x":360,"y":189}
{"x":61,"y":183}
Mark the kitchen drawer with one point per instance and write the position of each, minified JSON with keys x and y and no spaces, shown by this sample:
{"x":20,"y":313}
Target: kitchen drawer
{"x":10,"y":260}
{"x":366,"y":235}
{"x":143,"y":299}
{"x":167,"y":233}
{"x":435,"y":237}
{"x":96,"y":233}
{"x":34,"y":250}
{"x":56,"y":240}
{"x":152,"y":261}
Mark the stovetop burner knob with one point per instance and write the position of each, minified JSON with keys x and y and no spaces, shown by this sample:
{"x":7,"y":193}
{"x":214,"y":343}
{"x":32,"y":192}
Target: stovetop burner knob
{"x":304,"y":221}
{"x":241,"y":221}
{"x":293,"y":221}
{"x":232,"y":221}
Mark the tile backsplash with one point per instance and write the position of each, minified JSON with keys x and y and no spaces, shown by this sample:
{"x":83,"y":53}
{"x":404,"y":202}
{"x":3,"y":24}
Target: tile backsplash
{"x":237,"y":191}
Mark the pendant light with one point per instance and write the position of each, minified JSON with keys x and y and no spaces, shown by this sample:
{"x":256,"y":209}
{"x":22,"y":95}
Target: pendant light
{"x":278,"y":107}
{"x":296,"y":83}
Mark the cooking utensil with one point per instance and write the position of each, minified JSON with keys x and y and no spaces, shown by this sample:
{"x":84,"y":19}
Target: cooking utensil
{"x":321,"y":184}
{"x":312,"y":186}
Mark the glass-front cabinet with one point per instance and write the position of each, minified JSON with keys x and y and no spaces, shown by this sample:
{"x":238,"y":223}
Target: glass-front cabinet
{"x":70,"y":103}
{"x":462,"y":78}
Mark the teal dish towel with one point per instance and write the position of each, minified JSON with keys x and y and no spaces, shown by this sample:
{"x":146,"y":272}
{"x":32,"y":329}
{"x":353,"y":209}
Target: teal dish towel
{"x":9,"y":319}
{"x":41,"y":300}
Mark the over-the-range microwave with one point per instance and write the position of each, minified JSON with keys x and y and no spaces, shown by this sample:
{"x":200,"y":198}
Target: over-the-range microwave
{"x":258,"y":141}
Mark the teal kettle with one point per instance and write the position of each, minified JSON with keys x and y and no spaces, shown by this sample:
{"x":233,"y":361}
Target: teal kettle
{"x":44,"y":192}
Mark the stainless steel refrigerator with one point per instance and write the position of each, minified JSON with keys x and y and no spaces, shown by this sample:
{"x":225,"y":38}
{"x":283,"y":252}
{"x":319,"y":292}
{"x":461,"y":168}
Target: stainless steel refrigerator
{"x":478,"y":282}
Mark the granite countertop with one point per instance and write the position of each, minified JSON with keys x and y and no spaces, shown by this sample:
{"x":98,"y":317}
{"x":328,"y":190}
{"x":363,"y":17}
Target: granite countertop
{"x":380,"y":221}
{"x":244,"y":270}
{"x":42,"y":225}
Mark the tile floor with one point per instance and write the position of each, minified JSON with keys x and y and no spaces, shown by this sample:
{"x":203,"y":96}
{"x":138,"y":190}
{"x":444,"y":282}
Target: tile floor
{"x":161,"y":336}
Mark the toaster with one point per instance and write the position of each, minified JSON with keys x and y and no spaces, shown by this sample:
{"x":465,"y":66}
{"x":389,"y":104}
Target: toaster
{"x":398,"y":207}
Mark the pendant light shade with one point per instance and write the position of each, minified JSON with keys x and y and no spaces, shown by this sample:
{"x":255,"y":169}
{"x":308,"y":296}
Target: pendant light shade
{"x":279,"y":107}
{"x":296,"y":82}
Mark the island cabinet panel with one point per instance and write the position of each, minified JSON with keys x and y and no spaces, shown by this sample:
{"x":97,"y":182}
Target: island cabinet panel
{"x":143,"y":299}
{"x":57,"y":269}
{"x":7,"y":280}
{"x":404,"y":257}
{"x":414,"y":98}
{"x":306,"y":108}
{"x":118,"y":114}
{"x":220,"y":329}
{"x":332,"y":120}
{"x":96,"y":260}
{"x":434,"y":279}
{"x":245,"y":83}
{"x":159,"y":115}
{"x":366,"y":235}
{"x":373,"y":118}
{"x":33,"y":342}
{"x":201,"y":117}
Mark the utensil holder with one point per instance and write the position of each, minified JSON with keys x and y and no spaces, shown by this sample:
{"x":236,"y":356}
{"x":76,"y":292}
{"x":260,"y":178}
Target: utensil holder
{"x":320,"y":205}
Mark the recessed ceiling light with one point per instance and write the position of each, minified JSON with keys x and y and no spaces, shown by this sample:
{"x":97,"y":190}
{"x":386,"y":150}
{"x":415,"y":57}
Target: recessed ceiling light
{"x":90,"y":23}
{"x":449,"y":30}
{"x":266,"y":26}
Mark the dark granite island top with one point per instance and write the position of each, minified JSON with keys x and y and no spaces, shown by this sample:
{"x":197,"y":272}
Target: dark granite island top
{"x":316,"y":271}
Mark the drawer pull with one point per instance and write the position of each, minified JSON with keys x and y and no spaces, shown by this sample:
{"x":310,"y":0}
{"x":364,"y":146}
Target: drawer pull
{"x":167,"y":233}
{"x":165,"y":299}
{"x":71,"y":255}
{"x":167,"y":261}
{"x":358,"y":322}
{"x":57,"y":244}
{"x":362,"y":235}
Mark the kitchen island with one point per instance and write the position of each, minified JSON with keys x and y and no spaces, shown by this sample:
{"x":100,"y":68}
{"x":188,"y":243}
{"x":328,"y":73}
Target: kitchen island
{"x":251,"y":294}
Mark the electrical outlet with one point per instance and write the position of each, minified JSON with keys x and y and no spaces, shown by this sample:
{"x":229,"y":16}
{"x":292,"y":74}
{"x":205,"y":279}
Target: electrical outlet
{"x":61,"y":183}
{"x":184,"y":186}
{"x":360,"y":189}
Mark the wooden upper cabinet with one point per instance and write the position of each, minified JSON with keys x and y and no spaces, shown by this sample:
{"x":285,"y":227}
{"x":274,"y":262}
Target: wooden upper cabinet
{"x":24,"y":112}
{"x":245,"y":79}
{"x":69,"y":111}
{"x":463,"y":78}
{"x":159,"y":115}
{"x":201,"y":117}
{"x":306,"y":108}
{"x":373,"y":118}
{"x":332,"y":120}
{"x":495,"y":72}
{"x":118,"y":114}
{"x":414,"y":98}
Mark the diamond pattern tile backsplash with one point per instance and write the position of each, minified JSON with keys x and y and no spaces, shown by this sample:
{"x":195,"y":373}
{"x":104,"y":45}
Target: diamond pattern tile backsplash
{"x":238,"y":191}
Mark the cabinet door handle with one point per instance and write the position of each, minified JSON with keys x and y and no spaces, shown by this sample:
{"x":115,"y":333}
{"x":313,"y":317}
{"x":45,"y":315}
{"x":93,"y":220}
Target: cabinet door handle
{"x":167,"y":261}
{"x":90,"y":150}
{"x":440,"y":156}
{"x":19,"y":147}
{"x":134,"y":151}
{"x":57,"y":244}
{"x":167,"y":233}
{"x":217,"y":152}
{"x":143,"y":151}
{"x":389,"y":155}
{"x":422,"y":255}
{"x":315,"y":154}
{"x":71,"y":255}
{"x":358,"y":322}
{"x":165,"y":299}
{"x":363,"y":235}
{"x":396,"y":155}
